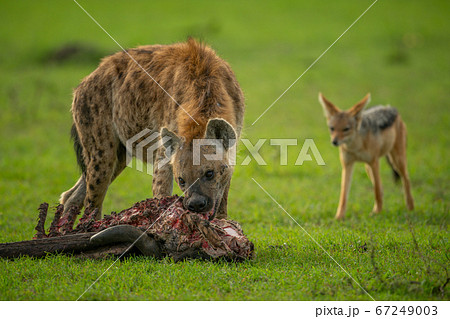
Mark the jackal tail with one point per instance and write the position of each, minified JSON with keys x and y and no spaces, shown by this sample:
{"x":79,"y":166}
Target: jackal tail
{"x":395,"y":174}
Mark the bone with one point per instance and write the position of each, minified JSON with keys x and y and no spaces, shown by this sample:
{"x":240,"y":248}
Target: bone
{"x":127,"y":233}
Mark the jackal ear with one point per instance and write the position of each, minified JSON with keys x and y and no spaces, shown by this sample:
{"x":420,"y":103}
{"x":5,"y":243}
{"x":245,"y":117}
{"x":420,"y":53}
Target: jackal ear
{"x":170,"y":141}
{"x":329,"y":109}
{"x":221,"y":130}
{"x":358,"y":107}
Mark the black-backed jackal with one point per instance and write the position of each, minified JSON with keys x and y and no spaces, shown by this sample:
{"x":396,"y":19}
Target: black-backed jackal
{"x":365,"y":136}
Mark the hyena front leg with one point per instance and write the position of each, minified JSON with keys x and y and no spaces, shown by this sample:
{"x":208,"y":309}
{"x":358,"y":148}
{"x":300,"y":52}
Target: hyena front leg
{"x":162,"y":175}
{"x":222,"y":209}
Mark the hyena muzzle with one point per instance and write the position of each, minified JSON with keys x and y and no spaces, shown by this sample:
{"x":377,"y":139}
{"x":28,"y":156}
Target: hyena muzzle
{"x":186,"y":93}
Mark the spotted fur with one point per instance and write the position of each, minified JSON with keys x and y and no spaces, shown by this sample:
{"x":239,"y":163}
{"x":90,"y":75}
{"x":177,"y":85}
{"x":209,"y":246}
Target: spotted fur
{"x":119,"y":100}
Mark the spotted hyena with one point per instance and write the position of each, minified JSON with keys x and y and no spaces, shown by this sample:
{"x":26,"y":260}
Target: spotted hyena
{"x":193,"y":95}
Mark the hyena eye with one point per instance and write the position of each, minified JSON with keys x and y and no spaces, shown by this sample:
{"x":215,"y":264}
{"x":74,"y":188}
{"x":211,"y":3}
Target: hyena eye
{"x":346,"y":129}
{"x":181,"y":181}
{"x":209,"y":174}
{"x":331,"y":128}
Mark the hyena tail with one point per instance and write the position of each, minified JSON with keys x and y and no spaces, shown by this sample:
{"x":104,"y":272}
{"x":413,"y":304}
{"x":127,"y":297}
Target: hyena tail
{"x":395,"y":174}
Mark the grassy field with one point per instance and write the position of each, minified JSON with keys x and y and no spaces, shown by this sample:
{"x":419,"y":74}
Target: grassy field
{"x":398,"y":51}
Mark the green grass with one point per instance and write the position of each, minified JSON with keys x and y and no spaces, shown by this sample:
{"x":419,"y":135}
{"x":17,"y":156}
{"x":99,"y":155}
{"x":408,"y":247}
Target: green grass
{"x":398,"y":51}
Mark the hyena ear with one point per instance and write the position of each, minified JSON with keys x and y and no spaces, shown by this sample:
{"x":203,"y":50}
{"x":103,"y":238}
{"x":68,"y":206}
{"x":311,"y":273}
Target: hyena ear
{"x":356,"y":110}
{"x":221,"y":130}
{"x":329,"y":109}
{"x":170,"y":141}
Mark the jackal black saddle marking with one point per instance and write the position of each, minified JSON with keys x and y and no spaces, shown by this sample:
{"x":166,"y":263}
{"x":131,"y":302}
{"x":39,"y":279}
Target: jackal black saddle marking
{"x":378,"y":118}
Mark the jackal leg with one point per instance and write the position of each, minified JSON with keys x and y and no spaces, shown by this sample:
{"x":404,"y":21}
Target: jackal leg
{"x":369,"y":173}
{"x":401,"y":169}
{"x":372,"y":179}
{"x":397,"y":156}
{"x":347,"y":172}
{"x":375,"y":168}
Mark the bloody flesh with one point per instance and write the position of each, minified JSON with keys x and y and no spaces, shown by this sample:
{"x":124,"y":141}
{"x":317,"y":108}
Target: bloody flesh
{"x":176,"y":231}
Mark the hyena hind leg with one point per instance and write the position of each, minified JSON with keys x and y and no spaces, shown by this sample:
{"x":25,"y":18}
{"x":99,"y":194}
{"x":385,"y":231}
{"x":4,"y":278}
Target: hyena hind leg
{"x":100,"y":172}
{"x":121,"y":161}
{"x":75,"y":196}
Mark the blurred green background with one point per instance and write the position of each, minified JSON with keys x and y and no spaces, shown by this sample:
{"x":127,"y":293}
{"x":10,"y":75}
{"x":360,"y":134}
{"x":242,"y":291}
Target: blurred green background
{"x":398,"y":51}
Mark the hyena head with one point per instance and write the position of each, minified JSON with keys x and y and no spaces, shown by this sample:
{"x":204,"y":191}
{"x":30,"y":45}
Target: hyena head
{"x":343,"y":125}
{"x":202,"y":167}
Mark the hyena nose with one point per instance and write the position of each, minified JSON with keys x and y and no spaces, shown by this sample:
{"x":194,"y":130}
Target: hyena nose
{"x":197,"y":204}
{"x":335,"y":142}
